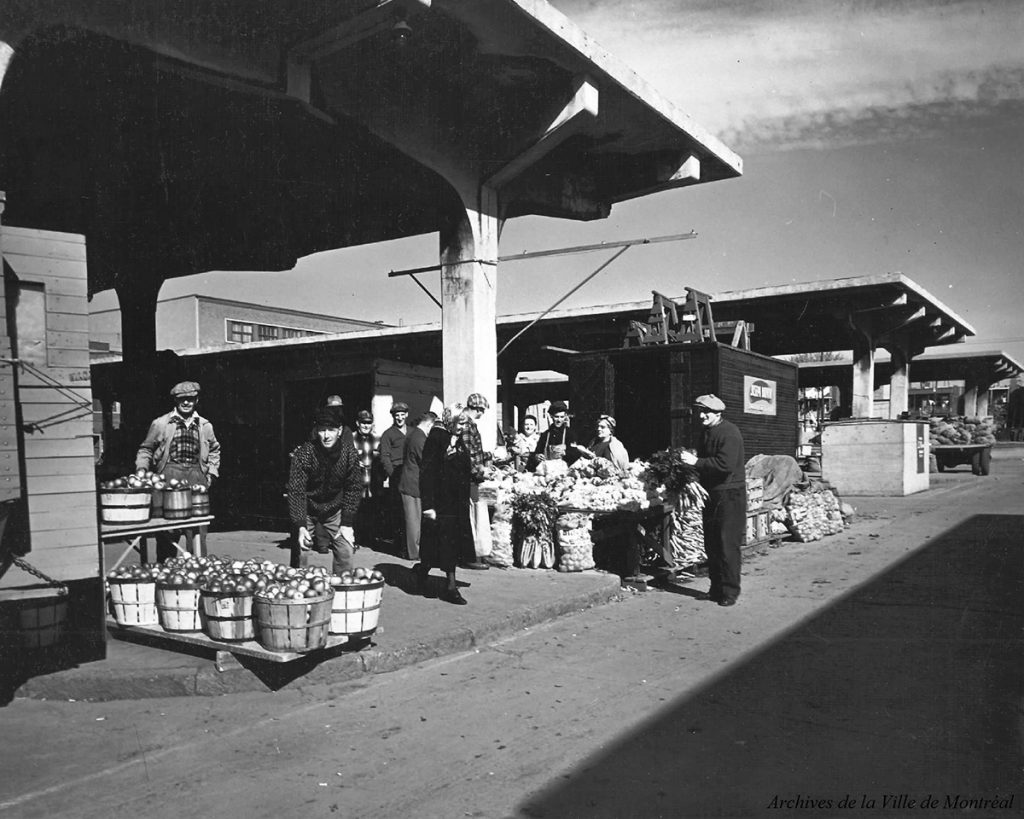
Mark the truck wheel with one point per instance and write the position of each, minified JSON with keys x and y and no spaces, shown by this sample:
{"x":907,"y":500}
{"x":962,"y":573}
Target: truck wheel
{"x":939,"y":465}
{"x":985,"y":462}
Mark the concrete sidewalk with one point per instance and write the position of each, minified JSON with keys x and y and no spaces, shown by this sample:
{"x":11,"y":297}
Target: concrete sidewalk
{"x":412,"y":628}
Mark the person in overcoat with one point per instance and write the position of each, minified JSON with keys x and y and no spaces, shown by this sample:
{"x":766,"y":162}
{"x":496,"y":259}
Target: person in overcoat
{"x":446,"y":538}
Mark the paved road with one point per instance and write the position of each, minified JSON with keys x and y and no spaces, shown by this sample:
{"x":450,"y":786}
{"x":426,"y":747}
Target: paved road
{"x":878,"y":666}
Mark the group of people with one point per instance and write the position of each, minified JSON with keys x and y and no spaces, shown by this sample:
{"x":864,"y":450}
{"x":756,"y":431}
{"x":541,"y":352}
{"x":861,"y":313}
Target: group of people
{"x":421,"y":482}
{"x":431,"y":473}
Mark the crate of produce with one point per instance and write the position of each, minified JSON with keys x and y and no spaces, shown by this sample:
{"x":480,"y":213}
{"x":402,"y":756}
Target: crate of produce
{"x":355,"y":611}
{"x":298,"y":625}
{"x":177,"y":606}
{"x":125,"y":506}
{"x":755,"y":493}
{"x":227,"y":616}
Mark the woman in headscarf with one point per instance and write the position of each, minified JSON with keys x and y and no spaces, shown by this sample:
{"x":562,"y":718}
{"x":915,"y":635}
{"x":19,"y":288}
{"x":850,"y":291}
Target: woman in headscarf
{"x":606,"y":445}
{"x":445,"y":476}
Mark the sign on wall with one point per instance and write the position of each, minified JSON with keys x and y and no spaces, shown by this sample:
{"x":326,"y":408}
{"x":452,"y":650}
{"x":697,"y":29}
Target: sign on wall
{"x":759,"y":396}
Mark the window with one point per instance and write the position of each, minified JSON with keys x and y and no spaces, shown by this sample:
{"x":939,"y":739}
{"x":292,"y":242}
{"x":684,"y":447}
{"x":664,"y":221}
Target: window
{"x":239,"y":332}
{"x":243,"y":332}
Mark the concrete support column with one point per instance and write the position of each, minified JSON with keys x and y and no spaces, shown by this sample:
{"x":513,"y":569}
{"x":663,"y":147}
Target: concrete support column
{"x":863,"y":379}
{"x":469,"y":272}
{"x":970,"y":400}
{"x":976,"y":397}
{"x":899,"y":381}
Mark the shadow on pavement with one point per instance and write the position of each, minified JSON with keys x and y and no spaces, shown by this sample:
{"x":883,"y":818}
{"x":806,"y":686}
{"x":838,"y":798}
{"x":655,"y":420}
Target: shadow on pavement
{"x":909,"y":686}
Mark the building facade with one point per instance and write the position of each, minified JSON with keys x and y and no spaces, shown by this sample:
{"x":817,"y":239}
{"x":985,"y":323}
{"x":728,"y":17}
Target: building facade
{"x":196,"y":322}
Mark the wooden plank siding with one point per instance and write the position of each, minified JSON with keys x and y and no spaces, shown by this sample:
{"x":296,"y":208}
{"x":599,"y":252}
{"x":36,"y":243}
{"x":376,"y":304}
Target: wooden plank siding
{"x":60,"y":478}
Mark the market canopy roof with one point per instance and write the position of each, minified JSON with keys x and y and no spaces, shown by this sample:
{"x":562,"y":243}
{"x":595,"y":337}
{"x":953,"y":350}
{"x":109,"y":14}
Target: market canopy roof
{"x":809,"y":317}
{"x":972,"y":367}
{"x":241,"y":135}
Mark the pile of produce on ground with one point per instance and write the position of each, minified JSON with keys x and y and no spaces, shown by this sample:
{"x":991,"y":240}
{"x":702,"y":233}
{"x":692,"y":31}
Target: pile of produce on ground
{"x":575,"y":547}
{"x":959,"y":431}
{"x":813,"y":511}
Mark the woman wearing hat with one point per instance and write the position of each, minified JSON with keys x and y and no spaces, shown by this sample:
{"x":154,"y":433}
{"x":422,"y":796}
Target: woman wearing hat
{"x":606,"y":445}
{"x":446,"y":539}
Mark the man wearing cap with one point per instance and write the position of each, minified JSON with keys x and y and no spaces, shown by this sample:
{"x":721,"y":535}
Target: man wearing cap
{"x":409,"y":487}
{"x":557,"y":441}
{"x":721,"y":462}
{"x":325,"y":483}
{"x":392,"y":456}
{"x":366,"y":444}
{"x":181,"y":445}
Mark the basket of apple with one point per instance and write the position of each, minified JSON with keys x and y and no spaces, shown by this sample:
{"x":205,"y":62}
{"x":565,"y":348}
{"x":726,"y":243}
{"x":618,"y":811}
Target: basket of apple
{"x":126,"y":500}
{"x":292,"y":612}
{"x":357,"y":599}
{"x":133,"y":595}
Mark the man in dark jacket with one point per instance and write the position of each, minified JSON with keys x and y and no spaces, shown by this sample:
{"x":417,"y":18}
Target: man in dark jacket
{"x":558,"y":441}
{"x":721,"y":462}
{"x":325,"y":484}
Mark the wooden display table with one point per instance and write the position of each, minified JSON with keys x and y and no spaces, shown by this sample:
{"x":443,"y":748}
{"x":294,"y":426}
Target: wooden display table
{"x":138,"y":533}
{"x":224,"y":650}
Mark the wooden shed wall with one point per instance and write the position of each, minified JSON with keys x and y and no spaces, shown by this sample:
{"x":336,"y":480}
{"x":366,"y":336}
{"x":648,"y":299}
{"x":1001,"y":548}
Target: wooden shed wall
{"x":56,"y":405}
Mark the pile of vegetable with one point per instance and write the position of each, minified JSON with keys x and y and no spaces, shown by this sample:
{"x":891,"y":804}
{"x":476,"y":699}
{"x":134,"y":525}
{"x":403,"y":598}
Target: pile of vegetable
{"x":533,"y":529}
{"x":958,"y":431}
{"x":686,"y":536}
{"x":813,"y":512}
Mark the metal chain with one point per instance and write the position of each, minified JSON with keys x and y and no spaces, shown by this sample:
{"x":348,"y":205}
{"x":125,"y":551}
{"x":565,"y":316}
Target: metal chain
{"x":24,"y":565}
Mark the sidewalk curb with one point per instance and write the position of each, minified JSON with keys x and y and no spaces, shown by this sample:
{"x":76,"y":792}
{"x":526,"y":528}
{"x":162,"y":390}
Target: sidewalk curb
{"x":100,"y":685}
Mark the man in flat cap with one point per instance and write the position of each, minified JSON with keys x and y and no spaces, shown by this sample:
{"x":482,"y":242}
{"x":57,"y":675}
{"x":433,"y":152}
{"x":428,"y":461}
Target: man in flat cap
{"x":325,"y":484}
{"x":558,"y":440}
{"x":721,"y":462}
{"x":392,"y":456}
{"x":180,"y":444}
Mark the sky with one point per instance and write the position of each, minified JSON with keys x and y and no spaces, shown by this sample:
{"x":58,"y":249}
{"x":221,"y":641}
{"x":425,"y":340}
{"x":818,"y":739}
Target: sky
{"x":876,"y":135}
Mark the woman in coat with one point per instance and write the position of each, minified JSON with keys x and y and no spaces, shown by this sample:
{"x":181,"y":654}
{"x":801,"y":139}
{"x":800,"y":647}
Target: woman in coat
{"x":445,"y":476}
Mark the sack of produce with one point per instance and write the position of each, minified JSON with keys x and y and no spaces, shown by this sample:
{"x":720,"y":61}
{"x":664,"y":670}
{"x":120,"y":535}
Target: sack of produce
{"x":575,"y":546}
{"x":501,"y":542}
{"x":813,"y":512}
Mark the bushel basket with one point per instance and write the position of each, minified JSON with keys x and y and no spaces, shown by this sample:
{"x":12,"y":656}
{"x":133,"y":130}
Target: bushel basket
{"x":133,"y":602}
{"x":292,"y":625}
{"x":126,"y":506}
{"x":227,"y":616}
{"x":178,"y":607}
{"x":356,"y":609}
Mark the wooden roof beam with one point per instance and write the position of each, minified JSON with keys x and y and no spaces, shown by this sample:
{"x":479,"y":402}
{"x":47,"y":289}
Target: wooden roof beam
{"x":581,"y":109}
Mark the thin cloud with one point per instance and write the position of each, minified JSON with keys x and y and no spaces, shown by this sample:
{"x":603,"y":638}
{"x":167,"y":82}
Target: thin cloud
{"x":807,"y":72}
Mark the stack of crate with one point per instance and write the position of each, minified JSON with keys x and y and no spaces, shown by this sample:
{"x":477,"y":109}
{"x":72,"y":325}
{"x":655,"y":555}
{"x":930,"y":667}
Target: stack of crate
{"x":758,"y":516}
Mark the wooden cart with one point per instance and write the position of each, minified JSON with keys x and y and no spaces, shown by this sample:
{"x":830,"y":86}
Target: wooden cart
{"x":979,"y":456}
